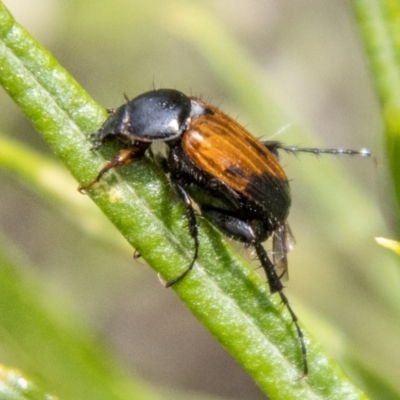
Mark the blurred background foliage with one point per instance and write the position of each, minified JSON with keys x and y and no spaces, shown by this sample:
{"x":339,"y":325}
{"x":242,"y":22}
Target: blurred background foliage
{"x":309,"y":56}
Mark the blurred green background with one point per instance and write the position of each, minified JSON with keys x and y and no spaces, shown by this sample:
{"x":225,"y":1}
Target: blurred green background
{"x":308,"y":56}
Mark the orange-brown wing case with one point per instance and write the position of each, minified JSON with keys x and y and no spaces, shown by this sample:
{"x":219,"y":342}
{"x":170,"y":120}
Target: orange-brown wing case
{"x":225,"y":150}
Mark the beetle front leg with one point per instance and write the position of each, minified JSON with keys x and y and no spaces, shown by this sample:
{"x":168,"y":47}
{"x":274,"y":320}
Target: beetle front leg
{"x":124,"y":157}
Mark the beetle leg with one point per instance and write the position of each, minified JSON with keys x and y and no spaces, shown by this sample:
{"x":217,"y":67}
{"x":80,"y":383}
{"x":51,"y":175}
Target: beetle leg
{"x":124,"y":157}
{"x":244,"y":231}
{"x":276,"y":286}
{"x":193,"y":229}
{"x":136,"y":255}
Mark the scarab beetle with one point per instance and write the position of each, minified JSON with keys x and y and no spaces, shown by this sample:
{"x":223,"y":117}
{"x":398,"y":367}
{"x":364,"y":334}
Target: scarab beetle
{"x":235,"y":179}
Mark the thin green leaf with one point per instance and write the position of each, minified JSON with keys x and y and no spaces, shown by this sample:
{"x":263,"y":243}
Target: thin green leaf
{"x":221,"y":291}
{"x":15,"y":386}
{"x":393,"y":245}
{"x":52,"y":344}
{"x":379,"y":22}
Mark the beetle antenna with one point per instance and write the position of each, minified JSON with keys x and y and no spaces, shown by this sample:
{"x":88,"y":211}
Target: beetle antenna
{"x":364,"y":152}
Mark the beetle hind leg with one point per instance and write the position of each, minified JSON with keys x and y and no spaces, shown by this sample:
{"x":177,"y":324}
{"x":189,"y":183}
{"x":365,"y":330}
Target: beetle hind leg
{"x":251,"y":234}
{"x":276,"y":286}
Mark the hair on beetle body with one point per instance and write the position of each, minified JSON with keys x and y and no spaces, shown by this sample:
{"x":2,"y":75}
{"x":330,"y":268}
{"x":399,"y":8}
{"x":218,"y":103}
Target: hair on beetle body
{"x":235,"y":179}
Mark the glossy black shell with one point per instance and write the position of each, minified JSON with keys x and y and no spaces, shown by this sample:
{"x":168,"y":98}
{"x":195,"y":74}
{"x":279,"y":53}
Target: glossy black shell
{"x":158,"y":115}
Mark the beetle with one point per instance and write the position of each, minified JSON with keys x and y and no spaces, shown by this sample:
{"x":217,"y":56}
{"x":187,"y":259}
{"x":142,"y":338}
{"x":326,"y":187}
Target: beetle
{"x":235,"y":179}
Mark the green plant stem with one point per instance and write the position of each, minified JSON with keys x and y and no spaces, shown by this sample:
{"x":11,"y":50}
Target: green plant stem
{"x":15,"y":386}
{"x":222,"y":291}
{"x":379,"y":22}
